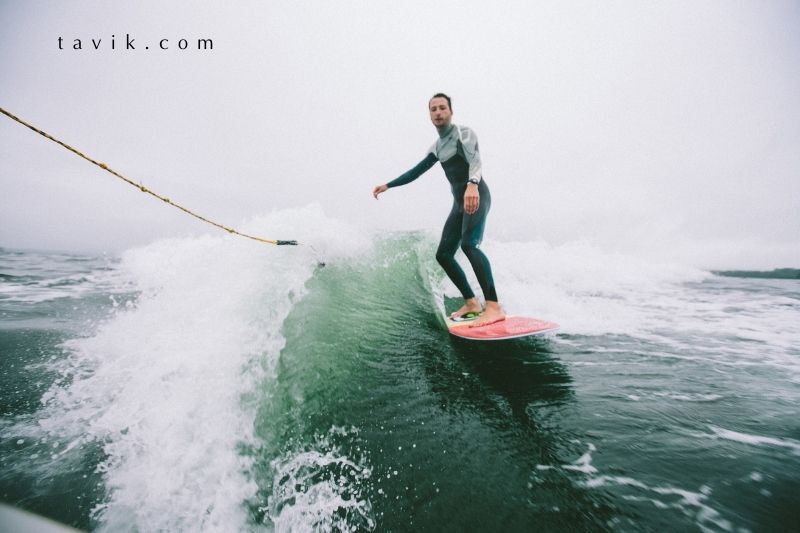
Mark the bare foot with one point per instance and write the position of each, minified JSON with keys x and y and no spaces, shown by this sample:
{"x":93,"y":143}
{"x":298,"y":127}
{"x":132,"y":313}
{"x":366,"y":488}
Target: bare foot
{"x":470,"y":306}
{"x":492,"y":314}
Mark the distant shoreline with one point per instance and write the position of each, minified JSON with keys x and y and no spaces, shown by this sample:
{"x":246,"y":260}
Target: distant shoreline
{"x":778,"y":273}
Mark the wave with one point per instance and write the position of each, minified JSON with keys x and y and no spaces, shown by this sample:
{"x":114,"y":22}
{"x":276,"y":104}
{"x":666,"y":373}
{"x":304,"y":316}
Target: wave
{"x":163,"y":385}
{"x":190,"y":388}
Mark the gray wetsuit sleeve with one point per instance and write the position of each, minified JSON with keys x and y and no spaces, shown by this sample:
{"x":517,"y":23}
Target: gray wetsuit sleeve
{"x":421,"y":167}
{"x":469,"y":143}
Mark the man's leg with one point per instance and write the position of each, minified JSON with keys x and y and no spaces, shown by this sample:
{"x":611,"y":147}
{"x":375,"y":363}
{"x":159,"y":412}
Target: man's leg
{"x":471,"y":237}
{"x":445,"y":255}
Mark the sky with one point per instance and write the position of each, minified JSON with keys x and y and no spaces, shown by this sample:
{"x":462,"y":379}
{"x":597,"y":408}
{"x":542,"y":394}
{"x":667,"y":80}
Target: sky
{"x":666,"y":129}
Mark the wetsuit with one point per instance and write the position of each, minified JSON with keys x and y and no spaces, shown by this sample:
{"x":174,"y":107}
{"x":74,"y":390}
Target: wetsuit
{"x":457,"y":150}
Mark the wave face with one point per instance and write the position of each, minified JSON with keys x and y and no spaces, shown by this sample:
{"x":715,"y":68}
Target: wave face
{"x":165,"y":384}
{"x":210,"y":384}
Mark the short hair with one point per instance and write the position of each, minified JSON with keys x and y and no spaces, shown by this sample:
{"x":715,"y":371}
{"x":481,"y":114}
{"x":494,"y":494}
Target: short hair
{"x":442,"y":95}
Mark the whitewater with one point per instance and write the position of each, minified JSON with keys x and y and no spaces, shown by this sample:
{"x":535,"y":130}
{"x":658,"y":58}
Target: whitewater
{"x":213,"y":384}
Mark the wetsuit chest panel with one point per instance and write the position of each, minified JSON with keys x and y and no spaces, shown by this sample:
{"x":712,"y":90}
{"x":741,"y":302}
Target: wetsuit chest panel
{"x":456,"y":169}
{"x":457,"y":150}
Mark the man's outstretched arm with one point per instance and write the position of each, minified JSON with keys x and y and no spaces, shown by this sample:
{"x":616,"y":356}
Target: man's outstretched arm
{"x":407,"y":177}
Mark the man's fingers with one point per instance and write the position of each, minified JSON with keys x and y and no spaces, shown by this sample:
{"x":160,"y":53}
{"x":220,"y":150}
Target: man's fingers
{"x":378,"y":190}
{"x":471,"y":201}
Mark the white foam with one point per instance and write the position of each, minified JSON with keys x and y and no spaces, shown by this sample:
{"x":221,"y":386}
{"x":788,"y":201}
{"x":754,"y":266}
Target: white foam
{"x":690,"y":503}
{"x":586,"y":290}
{"x":40,"y":285}
{"x":320,"y":489}
{"x":166,"y":384}
{"x":695,"y":397}
{"x":690,"y":313}
{"x":584,"y":462}
{"x":756,"y":476}
{"x":689,"y":396}
{"x":756,"y":440}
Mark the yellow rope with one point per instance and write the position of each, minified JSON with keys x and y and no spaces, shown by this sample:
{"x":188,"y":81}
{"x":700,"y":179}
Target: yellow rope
{"x":142,"y":187}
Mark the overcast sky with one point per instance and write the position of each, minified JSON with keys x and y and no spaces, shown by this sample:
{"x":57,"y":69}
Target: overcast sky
{"x":668,"y":128}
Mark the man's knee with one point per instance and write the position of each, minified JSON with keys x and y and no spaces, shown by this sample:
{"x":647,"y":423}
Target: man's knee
{"x":443,"y":257}
{"x":468,"y":248}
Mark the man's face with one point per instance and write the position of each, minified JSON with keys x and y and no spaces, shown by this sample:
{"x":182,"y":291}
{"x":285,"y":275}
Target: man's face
{"x":440,"y":112}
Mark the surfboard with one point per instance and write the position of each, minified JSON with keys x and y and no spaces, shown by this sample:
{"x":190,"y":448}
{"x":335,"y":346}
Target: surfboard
{"x":512,"y":327}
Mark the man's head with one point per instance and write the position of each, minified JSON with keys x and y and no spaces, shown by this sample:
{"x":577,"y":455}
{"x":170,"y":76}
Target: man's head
{"x":441,"y":110}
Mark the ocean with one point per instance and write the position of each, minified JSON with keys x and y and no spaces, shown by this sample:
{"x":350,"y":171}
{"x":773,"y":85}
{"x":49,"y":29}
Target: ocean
{"x":211,"y":383}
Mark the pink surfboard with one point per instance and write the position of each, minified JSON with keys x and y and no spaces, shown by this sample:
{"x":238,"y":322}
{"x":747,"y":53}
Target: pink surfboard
{"x":510,"y":328}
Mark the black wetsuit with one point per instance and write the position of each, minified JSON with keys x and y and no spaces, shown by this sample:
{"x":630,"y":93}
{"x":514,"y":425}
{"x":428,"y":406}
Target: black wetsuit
{"x":457,"y":150}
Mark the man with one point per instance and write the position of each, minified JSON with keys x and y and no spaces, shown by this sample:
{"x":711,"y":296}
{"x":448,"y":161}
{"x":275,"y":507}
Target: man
{"x":457,"y":150}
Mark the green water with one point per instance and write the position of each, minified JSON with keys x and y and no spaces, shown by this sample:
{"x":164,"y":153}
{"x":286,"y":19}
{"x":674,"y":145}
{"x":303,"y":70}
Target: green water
{"x":372,"y":417}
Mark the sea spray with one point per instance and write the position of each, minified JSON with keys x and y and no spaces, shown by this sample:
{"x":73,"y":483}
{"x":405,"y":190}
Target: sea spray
{"x":666,"y":401}
{"x":165,"y":386}
{"x":321,"y":489}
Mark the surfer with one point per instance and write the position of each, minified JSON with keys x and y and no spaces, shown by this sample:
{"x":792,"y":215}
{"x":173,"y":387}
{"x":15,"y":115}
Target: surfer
{"x":457,"y":151}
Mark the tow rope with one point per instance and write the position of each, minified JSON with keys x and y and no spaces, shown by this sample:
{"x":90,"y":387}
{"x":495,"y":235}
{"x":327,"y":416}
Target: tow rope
{"x":145,"y":189}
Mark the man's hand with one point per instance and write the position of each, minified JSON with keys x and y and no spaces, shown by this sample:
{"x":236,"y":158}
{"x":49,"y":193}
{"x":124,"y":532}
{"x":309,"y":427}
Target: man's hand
{"x":379,"y":189}
{"x":472,"y":199}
